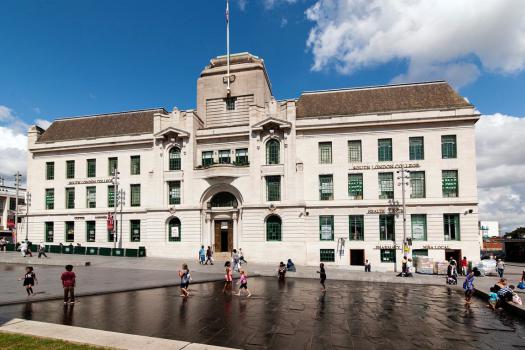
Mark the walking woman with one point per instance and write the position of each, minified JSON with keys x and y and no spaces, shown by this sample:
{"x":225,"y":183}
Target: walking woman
{"x":228,"y":278}
{"x":322,"y":275}
{"x":29,"y":280}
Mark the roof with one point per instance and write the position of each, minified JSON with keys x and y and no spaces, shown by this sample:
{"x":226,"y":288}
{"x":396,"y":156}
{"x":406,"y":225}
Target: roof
{"x":103,"y":125}
{"x":380,"y":99}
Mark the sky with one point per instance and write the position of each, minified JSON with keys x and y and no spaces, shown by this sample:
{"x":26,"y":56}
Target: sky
{"x":61,"y":58}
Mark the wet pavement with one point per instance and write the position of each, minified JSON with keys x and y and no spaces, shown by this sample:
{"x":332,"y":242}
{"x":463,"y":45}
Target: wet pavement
{"x":294,"y":315}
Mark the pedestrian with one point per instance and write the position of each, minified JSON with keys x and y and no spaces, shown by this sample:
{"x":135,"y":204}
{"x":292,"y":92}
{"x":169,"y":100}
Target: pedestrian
{"x":185,"y":279}
{"x":42,"y":250}
{"x":241,"y":257}
{"x":500,"y":267}
{"x":404,"y":263}
{"x":29,"y":280}
{"x":3,"y":244}
{"x":506,"y":293}
{"x":209,"y":256}
{"x":468,"y":286}
{"x":228,"y":278}
{"x":202,"y":255}
{"x":322,"y":275}
{"x":281,"y":272}
{"x":452,"y":274}
{"x":243,"y":281}
{"x":410,"y":267}
{"x":68,"y":283}
{"x":368,"y":266}
{"x":235,"y":260}
{"x":464,"y":265}
{"x":23,"y":248}
{"x":290,"y":266}
{"x":493,"y":299}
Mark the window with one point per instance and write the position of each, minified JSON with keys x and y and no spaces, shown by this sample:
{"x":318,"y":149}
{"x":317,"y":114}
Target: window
{"x":273,"y":188}
{"x":272,"y":151}
{"x":174,"y":230}
{"x":111,"y":233}
{"x":273,"y":228}
{"x":327,"y":255}
{"x":326,"y":187}
{"x":419,"y":252}
{"x":448,"y":146}
{"x":70,"y":231}
{"x":112,"y":165}
{"x":384,"y":150}
{"x":416,"y":148}
{"x":355,"y":152}
{"x":50,"y":198}
{"x":355,"y":186}
{"x":356,"y":227}
{"x":91,"y":197}
{"x":92,"y":168}
{"x":70,"y":169}
{"x":388,"y":255}
{"x":207,"y":158}
{"x":419,"y":227}
{"x":241,"y":156}
{"x":174,"y":159}
{"x":386,"y":228}
{"x":174,"y":192}
{"x":451,"y":227}
{"x":386,"y":185}
{"x":224,"y":156}
{"x":417,"y":184}
{"x":111,"y":196}
{"x":50,"y":170}
{"x":90,"y":231}
{"x":70,"y":198}
{"x":135,"y":230}
{"x":325,"y":152}
{"x":230,"y":103}
{"x":326,"y":227}
{"x":49,"y":227}
{"x":223,"y":200}
{"x":135,"y":195}
{"x":135,"y":165}
{"x":450,"y":183}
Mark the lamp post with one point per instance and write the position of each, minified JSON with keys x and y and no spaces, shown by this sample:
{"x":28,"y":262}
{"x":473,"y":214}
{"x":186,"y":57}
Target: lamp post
{"x":28,"y":204}
{"x":121,"y":199}
{"x":404,"y":181}
{"x":115,"y":204}
{"x":17,"y":184}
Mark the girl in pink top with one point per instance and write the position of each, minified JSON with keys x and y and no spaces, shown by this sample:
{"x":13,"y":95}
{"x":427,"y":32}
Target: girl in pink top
{"x":243,"y":281}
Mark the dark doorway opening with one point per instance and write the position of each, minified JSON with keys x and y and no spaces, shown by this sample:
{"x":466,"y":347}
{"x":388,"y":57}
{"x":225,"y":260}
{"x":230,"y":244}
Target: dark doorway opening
{"x":357,"y":257}
{"x":223,"y":236}
{"x":453,"y":253}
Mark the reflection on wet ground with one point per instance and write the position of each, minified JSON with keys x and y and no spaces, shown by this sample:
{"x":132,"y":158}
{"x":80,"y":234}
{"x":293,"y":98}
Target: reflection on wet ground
{"x":294,"y":315}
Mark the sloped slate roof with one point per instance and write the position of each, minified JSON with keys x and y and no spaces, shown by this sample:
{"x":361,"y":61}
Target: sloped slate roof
{"x":104,"y":125}
{"x":381,"y":99}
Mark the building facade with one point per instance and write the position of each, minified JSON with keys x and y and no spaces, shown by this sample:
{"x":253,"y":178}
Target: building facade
{"x":312,"y":179}
{"x":8,"y":211}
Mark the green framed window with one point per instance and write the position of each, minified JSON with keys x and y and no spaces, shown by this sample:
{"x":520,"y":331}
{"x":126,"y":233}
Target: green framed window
{"x":416,"y":148}
{"x":91,"y":165}
{"x":91,"y":197}
{"x":355,"y":151}
{"x":70,"y":198}
{"x":356,"y":227}
{"x":417,"y":184}
{"x":174,"y":230}
{"x":207,"y":158}
{"x":224,"y":156}
{"x":325,"y":152}
{"x":327,"y":255}
{"x":450,"y":184}
{"x":112,"y":165}
{"x":241,"y":156}
{"x":273,"y":188}
{"x":273,"y":228}
{"x":90,"y":231}
{"x":111,"y":233}
{"x":174,"y":192}
{"x":111,"y":196}
{"x":387,"y":227}
{"x":135,"y":195}
{"x":355,"y":186}
{"x":50,"y":231}
{"x":386,"y":185}
{"x":272,"y":151}
{"x":384,"y":150}
{"x":135,"y":165}
{"x":70,"y":169}
{"x":134,"y":230}
{"x":70,"y":231}
{"x":448,"y":147}
{"x":419,"y":227}
{"x":175,"y":159}
{"x":419,"y":252}
{"x":326,"y":227}
{"x":50,"y":170}
{"x":50,"y":198}
{"x":388,"y":255}
{"x":326,"y":187}
{"x":451,"y":227}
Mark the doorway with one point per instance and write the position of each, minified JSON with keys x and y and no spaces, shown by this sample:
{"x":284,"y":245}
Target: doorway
{"x":454,"y":253}
{"x":223,"y":236}
{"x":357,"y":257}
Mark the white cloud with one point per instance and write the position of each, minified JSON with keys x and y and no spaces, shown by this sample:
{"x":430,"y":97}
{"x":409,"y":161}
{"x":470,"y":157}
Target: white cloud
{"x":444,"y":39}
{"x":44,"y":124}
{"x":37,"y":110}
{"x":284,"y":22}
{"x":242,"y":4}
{"x":272,"y":3}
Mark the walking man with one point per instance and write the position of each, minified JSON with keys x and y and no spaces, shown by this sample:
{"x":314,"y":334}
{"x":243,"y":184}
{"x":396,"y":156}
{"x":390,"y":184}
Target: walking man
{"x":202,"y":255}
{"x":3,"y":244}
{"x":500,"y":267}
{"x":464,"y":264}
{"x":42,"y":250}
{"x":367,"y":266}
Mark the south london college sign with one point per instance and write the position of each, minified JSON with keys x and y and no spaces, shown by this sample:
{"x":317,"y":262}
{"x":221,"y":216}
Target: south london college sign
{"x":385,"y":166}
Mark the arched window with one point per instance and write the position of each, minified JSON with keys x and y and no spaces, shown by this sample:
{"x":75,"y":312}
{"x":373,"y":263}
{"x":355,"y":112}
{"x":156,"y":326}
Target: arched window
{"x":174,"y":156}
{"x":273,"y":228}
{"x":272,"y":151}
{"x":223,"y":199}
{"x":174,"y":230}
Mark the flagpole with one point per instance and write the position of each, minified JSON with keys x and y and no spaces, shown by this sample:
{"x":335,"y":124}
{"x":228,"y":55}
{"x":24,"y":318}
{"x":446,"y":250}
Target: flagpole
{"x":228,"y":43}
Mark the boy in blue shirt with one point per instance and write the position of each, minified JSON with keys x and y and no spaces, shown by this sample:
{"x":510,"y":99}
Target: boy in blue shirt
{"x":493,"y":299}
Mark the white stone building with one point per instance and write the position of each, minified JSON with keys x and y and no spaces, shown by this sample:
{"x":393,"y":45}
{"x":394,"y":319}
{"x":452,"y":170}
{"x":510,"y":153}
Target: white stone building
{"x":8,"y":211}
{"x":312,"y":179}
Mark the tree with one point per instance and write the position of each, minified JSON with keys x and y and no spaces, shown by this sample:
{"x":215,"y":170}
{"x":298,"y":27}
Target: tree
{"x":516,"y":234}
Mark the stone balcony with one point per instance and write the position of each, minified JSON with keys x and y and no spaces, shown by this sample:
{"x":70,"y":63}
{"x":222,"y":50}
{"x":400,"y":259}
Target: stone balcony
{"x":221,"y":171}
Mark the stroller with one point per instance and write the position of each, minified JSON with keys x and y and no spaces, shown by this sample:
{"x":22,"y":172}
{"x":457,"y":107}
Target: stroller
{"x":452,"y":280}
{"x":452,"y":274}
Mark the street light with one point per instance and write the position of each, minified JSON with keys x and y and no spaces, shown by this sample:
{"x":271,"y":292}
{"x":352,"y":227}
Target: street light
{"x":404,"y":178}
{"x":28,"y":204}
{"x":18,"y":176}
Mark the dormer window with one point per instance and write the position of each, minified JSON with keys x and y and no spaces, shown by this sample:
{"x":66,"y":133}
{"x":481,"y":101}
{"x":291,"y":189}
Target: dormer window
{"x":230,"y":103}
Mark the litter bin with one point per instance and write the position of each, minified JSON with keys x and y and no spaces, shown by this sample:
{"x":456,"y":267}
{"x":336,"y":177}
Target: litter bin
{"x":80,"y":250}
{"x":92,"y":250}
{"x":104,"y":251}
{"x":132,"y":253}
{"x":55,"y":249}
{"x":142,"y":252}
{"x":67,"y":249}
{"x":117,"y":252}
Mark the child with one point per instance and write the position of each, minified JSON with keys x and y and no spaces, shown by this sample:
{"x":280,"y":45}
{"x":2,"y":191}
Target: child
{"x":202,"y":255}
{"x":29,"y":280}
{"x":468,"y":286}
{"x":185,"y":279}
{"x":243,"y":281}
{"x":68,"y":283}
{"x":281,"y":273}
{"x":493,"y":299}
{"x":228,"y":277}
{"x":322,"y":274}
